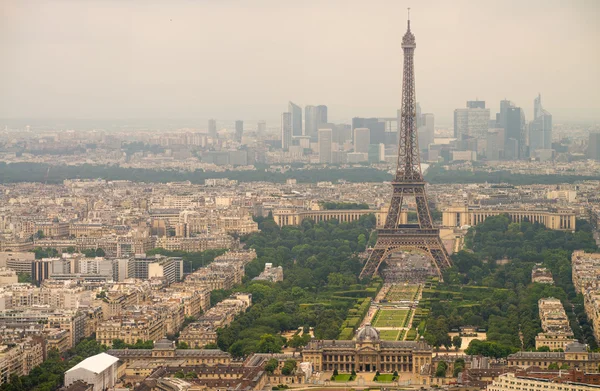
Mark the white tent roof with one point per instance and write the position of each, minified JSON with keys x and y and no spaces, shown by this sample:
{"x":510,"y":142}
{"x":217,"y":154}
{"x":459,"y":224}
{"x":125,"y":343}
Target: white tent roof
{"x":97,"y":363}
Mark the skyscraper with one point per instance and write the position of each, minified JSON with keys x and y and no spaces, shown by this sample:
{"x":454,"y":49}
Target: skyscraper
{"x":425,"y":132}
{"x":376,"y":127}
{"x":512,"y":120}
{"x":325,"y":145}
{"x":322,"y":114}
{"x":341,"y":133}
{"x":495,"y":144}
{"x":501,"y":116}
{"x":212,"y":128}
{"x":362,"y":139}
{"x":472,"y":121}
{"x":239,"y":130}
{"x":296,"y":112}
{"x":376,"y":153}
{"x":286,"y":131}
{"x":314,"y":116}
{"x":311,"y":122}
{"x":261,"y":128}
{"x":540,"y":129}
{"x":593,"y":151}
{"x":515,"y":133}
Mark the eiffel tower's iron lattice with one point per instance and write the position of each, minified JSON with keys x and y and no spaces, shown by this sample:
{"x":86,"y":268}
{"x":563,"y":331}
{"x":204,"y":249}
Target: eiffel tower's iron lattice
{"x":408,"y":182}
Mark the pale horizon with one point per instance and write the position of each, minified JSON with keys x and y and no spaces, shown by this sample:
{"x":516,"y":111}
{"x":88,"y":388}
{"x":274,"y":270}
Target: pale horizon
{"x":104,"y":59}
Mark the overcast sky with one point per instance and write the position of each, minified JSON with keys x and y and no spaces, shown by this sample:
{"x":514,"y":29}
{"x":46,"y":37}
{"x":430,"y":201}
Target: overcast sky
{"x":234,"y":59}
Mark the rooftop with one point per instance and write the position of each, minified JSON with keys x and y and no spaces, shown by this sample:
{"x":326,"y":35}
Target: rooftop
{"x":97,"y":363}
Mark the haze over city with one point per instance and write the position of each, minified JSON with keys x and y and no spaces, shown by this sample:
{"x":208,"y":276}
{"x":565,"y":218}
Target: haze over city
{"x":271,"y":195}
{"x":230,"y":59}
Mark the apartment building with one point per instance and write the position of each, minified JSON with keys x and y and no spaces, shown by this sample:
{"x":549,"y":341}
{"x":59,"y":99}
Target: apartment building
{"x":140,"y":324}
{"x":528,"y":382}
{"x":557,"y":333}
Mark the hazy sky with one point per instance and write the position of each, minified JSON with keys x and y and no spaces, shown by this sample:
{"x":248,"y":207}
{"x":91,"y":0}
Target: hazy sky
{"x":234,"y":59}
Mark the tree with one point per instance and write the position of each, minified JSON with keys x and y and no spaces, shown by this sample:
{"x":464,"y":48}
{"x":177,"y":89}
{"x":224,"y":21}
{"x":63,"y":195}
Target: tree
{"x":269,"y":343}
{"x":457,"y":342}
{"x":288,"y":367}
{"x":182,"y":345}
{"x":118,"y":344}
{"x":441,"y":369}
{"x":24,"y":278}
{"x":271,"y":365}
{"x":309,"y":254}
{"x":447,"y":342}
{"x":459,"y":366}
{"x":553,"y":366}
{"x":100,"y":252}
{"x":298,"y":341}
{"x":489,"y":349}
{"x":179,"y":374}
{"x":335,"y":372}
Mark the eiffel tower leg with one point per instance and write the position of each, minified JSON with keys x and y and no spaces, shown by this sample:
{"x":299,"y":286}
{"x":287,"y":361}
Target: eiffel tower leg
{"x":393,"y":217}
{"x":372,"y":263}
{"x":439,"y":254}
{"x":423,"y":210}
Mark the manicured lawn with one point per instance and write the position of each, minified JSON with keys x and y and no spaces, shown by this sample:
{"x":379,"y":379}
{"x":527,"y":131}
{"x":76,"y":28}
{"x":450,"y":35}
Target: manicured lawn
{"x":402,"y":292}
{"x":342,"y":377}
{"x":389,"y":335}
{"x":386,"y":378}
{"x":390,"y":318}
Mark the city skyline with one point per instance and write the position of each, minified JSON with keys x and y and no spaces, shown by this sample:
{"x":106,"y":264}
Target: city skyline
{"x":220,"y":253}
{"x":136,"y":69}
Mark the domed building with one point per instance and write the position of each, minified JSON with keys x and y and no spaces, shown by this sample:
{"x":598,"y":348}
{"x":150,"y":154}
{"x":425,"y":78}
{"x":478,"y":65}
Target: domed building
{"x":367,"y":333}
{"x":368,"y":353}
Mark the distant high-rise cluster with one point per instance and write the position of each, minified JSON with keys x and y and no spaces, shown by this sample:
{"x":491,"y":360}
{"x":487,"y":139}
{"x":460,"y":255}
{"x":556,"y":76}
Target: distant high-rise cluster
{"x":298,"y":136}
{"x":506,"y":136}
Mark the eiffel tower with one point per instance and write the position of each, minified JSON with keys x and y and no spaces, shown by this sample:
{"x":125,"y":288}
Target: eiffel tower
{"x":408,"y":182}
